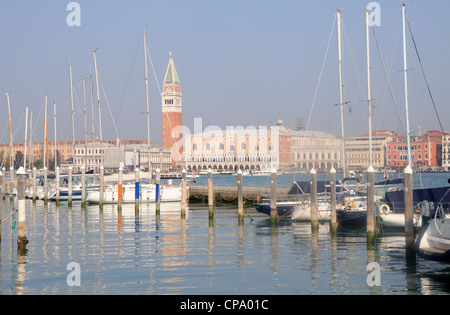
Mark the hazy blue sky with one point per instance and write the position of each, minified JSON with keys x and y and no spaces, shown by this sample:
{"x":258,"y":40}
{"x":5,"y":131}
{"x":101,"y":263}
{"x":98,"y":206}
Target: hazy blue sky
{"x":237,"y":60}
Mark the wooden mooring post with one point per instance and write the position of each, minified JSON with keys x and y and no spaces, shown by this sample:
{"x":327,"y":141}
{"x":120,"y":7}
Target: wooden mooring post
{"x":4,"y":183}
{"x":240,"y":196}
{"x":273,"y":197}
{"x":2,"y":179}
{"x":370,"y":205}
{"x":83,"y":187}
{"x":334,"y":224}
{"x":11,"y":183}
{"x":409,"y":212}
{"x":183,"y":193}
{"x":34,"y":184}
{"x":120,"y":189}
{"x":45,"y":186}
{"x":21,"y":235}
{"x":136,"y":190}
{"x":70,"y":188}
{"x":314,"y":210}
{"x":158,"y":191}
{"x":57,"y":186}
{"x":102,"y":187}
{"x":210,"y":194}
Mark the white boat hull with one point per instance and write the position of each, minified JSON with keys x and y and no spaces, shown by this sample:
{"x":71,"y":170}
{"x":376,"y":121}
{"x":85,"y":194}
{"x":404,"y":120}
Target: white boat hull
{"x":302,"y":211}
{"x":434,"y":242}
{"x":147,"y":194}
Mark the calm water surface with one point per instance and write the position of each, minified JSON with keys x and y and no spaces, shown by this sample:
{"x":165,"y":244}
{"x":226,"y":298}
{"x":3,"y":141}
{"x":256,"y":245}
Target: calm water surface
{"x":141,"y":253}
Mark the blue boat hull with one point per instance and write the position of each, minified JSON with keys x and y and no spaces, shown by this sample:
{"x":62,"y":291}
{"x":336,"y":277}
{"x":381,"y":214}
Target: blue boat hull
{"x":352,"y":218}
{"x":283,"y":210}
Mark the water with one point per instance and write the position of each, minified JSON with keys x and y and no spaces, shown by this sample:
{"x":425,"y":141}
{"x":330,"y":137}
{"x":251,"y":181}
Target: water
{"x":427,"y":180}
{"x":141,"y":253}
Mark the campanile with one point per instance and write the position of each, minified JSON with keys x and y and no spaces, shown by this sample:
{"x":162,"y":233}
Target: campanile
{"x":171,"y":114}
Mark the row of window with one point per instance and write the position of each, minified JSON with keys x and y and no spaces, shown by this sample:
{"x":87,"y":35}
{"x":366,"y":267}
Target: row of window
{"x":89,"y":151}
{"x":404,"y":147}
{"x":310,"y":156}
{"x":231,"y":159}
{"x":232,"y":148}
{"x":89,"y":161}
{"x":404,"y":157}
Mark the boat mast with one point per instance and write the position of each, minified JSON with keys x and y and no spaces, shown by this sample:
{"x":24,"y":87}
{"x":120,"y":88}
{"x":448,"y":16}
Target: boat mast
{"x":26,"y":138}
{"x":341,"y":93}
{"x":31,"y":146}
{"x":99,"y":111}
{"x":10,"y":133}
{"x":56,"y":151}
{"x":85,"y":123}
{"x":92,"y":119}
{"x":45,"y":164}
{"x":148,"y":110}
{"x":405,"y":69}
{"x":369,"y":96}
{"x":73,"y":112}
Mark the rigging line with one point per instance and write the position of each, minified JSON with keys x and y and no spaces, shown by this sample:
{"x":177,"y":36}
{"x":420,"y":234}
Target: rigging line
{"x":320,"y":75}
{"x":37,"y":119}
{"x":15,"y":132}
{"x":442,"y":69}
{"x":390,"y":68}
{"x":154,"y":72}
{"x":387,"y":79}
{"x":353,"y":58}
{"x":128,"y":81}
{"x":18,"y":124}
{"x":424,"y":76}
{"x":109,"y":109}
{"x":3,"y":152}
{"x":4,"y":130}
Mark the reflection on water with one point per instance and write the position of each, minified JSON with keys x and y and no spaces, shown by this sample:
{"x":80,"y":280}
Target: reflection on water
{"x":137,"y":252}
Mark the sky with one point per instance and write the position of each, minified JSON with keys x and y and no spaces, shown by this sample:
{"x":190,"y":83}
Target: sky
{"x":240,"y":62}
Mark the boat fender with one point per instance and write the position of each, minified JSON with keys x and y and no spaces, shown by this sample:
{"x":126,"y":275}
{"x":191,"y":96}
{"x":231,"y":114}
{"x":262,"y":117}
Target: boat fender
{"x":349,"y":204}
{"x":385,"y":209}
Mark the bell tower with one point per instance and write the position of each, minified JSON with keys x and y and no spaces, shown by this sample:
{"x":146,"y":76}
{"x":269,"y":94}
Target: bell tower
{"x":171,"y":114}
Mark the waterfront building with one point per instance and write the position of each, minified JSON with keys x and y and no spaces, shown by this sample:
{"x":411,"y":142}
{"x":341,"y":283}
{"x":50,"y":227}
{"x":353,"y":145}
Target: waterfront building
{"x":128,"y":154}
{"x":172,"y":137}
{"x":285,"y":153}
{"x":315,"y":149}
{"x":251,"y":148}
{"x":357,"y":150}
{"x":35,"y":152}
{"x":426,"y":151}
{"x":446,"y":152}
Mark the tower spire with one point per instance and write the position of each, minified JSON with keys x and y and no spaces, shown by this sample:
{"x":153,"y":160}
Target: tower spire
{"x":172,"y":113}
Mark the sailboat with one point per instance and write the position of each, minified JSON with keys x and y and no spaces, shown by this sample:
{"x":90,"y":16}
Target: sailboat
{"x":300,"y":210}
{"x":391,"y":206}
{"x":433,"y":242}
{"x":422,"y":197}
